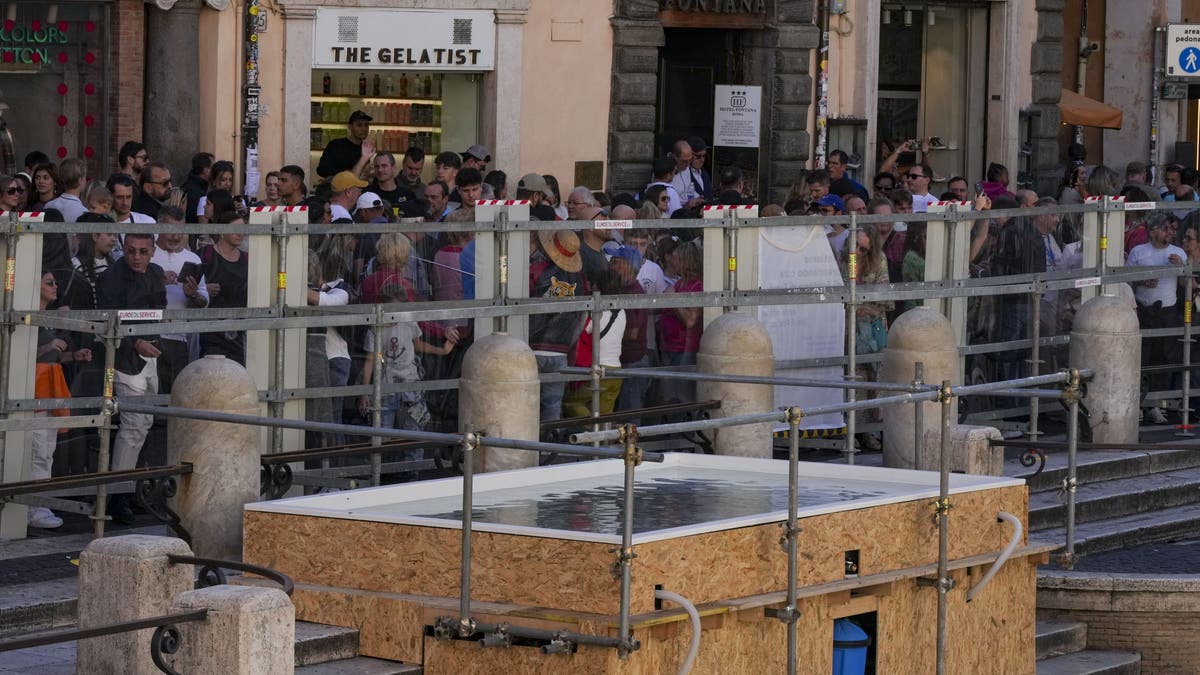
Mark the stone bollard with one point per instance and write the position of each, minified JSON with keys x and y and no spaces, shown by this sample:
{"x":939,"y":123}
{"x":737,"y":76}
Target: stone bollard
{"x":971,"y":451}
{"x":499,"y":394}
{"x":1106,"y":338}
{"x":919,"y":335}
{"x":224,"y":457}
{"x":121,"y":579}
{"x":738,"y":344}
{"x":249,"y":631}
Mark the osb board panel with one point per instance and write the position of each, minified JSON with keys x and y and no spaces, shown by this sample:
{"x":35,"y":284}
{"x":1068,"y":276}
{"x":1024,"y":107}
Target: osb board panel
{"x":992,"y":634}
{"x":749,"y":561}
{"x":425,"y":561}
{"x":389,"y":628}
{"x":575,"y":576}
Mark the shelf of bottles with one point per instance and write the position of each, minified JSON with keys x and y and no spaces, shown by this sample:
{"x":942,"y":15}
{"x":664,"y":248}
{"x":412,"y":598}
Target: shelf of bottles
{"x":404,"y":111}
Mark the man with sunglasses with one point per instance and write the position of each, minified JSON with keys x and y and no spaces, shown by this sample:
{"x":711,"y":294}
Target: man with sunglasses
{"x":132,"y":282}
{"x":156,"y":185}
{"x":702,"y":177}
{"x":839,"y":183}
{"x":917,"y":181}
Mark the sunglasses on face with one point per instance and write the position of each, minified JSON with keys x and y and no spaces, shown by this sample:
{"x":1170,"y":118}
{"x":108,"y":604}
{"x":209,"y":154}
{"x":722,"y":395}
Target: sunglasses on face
{"x":914,"y":176}
{"x":15,"y":190}
{"x":880,"y":186}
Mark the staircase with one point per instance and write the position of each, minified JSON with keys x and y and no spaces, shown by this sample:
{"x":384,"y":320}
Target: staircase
{"x":333,"y":650}
{"x":1061,"y":651}
{"x":1124,"y":498}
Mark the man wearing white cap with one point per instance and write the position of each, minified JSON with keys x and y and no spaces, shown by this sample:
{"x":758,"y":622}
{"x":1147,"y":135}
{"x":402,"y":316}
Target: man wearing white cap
{"x":369,"y":208}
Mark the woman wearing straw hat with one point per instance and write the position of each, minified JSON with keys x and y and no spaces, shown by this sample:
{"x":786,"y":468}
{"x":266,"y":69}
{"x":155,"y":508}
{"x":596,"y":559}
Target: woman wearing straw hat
{"x":555,"y":271}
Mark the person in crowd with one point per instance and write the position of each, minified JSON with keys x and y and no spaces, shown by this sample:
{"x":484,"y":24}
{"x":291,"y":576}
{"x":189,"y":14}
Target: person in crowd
{"x":1020,"y":249}
{"x":593,"y":239}
{"x":33,"y":158}
{"x":679,"y":328}
{"x":663,"y":173}
{"x":832,"y":205}
{"x":884,"y":183}
{"x":398,"y":345}
{"x":390,"y":266}
{"x":648,"y":211}
{"x":437,"y":199}
{"x":345,"y":189}
{"x":469,"y":188}
{"x":496,"y":182}
{"x":410,"y":170}
{"x":226,"y":270}
{"x":995,"y":183}
{"x":870,"y":318}
{"x":122,"y":189}
{"x":1157,"y":299}
{"x":579,"y":199}
{"x":477,"y":157}
{"x":625,"y":265}
{"x":271,"y":191}
{"x":53,"y":350}
{"x":132,"y":282}
{"x":12,"y":194}
{"x":155,"y":186}
{"x":840,"y":184}
{"x":533,"y":188}
{"x":683,"y":177}
{"x":291,"y":185}
{"x":220,"y":178}
{"x":388,"y":187}
{"x":184,"y":281}
{"x":1137,"y":175}
{"x":353,"y":152}
{"x":891,"y":240}
{"x":917,"y":180}
{"x":132,"y":159}
{"x":197,"y":183}
{"x":72,"y":174}
{"x":958,"y":186}
{"x":1025,"y":197}
{"x":855,"y":204}
{"x":609,"y":334}
{"x":45,"y":186}
{"x":445,"y":168}
{"x":912,"y":268}
{"x":328,"y":288}
{"x":554,"y":272}
{"x":650,"y":274}
{"x":97,"y":198}
{"x":556,"y":201}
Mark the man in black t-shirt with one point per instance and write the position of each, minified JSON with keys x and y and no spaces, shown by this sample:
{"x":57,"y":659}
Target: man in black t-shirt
{"x":351,"y":153}
{"x":389,"y":188}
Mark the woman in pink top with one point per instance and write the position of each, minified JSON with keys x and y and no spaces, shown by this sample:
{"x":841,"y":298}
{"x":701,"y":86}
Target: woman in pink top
{"x":679,"y":328}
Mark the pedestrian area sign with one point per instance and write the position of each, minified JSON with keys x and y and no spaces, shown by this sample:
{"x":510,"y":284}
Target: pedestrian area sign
{"x":1183,"y":50}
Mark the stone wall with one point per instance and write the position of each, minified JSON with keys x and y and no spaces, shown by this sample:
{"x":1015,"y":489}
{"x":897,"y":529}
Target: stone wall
{"x":777,"y":58}
{"x":1046,"y":69}
{"x":1158,"y":616}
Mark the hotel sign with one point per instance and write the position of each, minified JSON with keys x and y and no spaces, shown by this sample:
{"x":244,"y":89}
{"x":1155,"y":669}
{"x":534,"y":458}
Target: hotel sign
{"x":719,"y":6}
{"x":404,"y":39}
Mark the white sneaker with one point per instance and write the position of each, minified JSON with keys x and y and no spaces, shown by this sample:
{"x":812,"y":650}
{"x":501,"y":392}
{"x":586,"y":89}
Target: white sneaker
{"x":1156,"y":416}
{"x":43,"y":518}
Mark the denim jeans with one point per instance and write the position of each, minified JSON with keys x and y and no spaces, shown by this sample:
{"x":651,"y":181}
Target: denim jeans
{"x":552,"y":392}
{"x":676,"y":391}
{"x":633,"y":389}
{"x":339,"y":375}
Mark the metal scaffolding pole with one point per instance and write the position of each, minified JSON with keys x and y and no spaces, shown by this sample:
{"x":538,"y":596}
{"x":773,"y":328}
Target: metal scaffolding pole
{"x":632,"y":455}
{"x":918,"y":384}
{"x":597,"y":371}
{"x":944,"y":582}
{"x":655,"y":373}
{"x":107,"y":410}
{"x":470,"y":443}
{"x":1070,"y":483}
{"x":377,"y":398}
{"x":1185,"y":403}
{"x":851,"y":395}
{"x":277,"y":380}
{"x":1035,"y":352}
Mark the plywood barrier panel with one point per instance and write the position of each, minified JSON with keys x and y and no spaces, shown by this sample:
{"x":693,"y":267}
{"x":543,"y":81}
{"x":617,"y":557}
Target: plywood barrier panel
{"x":389,"y":628}
{"x":576,"y":576}
{"x":992,"y":634}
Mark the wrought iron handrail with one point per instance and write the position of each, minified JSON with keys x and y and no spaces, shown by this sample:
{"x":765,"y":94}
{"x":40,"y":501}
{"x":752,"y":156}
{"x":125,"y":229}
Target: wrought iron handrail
{"x":91,"y":479}
{"x":211,"y":573}
{"x":74,"y":634}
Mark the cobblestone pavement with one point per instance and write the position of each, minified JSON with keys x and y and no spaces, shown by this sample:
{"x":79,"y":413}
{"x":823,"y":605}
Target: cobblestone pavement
{"x":1164,"y":558}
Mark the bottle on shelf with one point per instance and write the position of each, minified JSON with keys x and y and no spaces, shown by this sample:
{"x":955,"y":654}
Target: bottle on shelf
{"x":403,"y":85}
{"x":389,"y":86}
{"x":375,"y":84}
{"x":326,"y":84}
{"x":362,"y":84}
{"x":428,"y":88}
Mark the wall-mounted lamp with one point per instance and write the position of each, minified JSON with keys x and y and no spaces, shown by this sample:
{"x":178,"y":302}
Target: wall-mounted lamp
{"x":907,"y":17}
{"x":887,"y":15}
{"x":932,"y":17}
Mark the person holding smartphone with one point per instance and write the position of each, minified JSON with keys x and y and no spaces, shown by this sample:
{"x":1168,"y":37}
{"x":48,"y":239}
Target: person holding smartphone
{"x":185,"y":290}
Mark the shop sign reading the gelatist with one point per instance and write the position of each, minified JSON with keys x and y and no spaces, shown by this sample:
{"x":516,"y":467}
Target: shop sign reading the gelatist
{"x":405,"y":39}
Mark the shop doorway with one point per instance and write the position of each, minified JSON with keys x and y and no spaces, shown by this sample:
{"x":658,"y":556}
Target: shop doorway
{"x":933,"y":72}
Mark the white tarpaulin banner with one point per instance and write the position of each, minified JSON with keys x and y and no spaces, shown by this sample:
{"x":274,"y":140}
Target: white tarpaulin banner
{"x":405,"y":39}
{"x":800,"y":257}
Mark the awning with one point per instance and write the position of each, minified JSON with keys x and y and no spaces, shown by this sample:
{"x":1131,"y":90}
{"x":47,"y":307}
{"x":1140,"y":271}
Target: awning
{"x":1080,"y":110}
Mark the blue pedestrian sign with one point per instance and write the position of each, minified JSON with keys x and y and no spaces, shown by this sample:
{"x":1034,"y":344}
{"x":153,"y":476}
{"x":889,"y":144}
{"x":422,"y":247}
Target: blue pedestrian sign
{"x":1183,"y":51}
{"x":1189,"y":60}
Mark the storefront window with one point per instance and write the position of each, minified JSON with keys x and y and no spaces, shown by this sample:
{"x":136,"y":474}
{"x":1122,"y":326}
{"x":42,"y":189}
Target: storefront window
{"x":417,"y":73}
{"x":53,"y":81}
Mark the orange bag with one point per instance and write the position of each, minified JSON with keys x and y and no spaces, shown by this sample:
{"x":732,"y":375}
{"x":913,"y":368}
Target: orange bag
{"x":52,"y":383}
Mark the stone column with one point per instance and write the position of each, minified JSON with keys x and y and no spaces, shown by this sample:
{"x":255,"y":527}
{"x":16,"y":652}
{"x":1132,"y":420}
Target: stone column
{"x":1106,"y":337}
{"x":738,"y":344}
{"x":249,"y":631}
{"x":299,"y":24}
{"x":1046,"y":65}
{"x":637,"y":35}
{"x":787,"y":95}
{"x":172,"y":115}
{"x":919,"y":335}
{"x":504,"y":95}
{"x":122,"y":579}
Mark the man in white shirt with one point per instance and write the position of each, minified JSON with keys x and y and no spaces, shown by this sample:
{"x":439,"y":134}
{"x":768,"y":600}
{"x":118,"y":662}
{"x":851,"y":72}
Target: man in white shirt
{"x":346,"y":189}
{"x":917,"y":181}
{"x":122,"y":188}
{"x":1156,"y":299}
{"x":185,"y":290}
{"x":685,"y":180}
{"x":664,"y":173}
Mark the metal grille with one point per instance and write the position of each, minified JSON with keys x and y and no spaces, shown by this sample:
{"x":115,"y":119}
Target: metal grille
{"x":348,"y":29}
{"x":462,"y":31}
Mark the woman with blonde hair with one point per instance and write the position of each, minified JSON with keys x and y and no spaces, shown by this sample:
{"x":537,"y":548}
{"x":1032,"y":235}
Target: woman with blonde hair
{"x":389,"y":266}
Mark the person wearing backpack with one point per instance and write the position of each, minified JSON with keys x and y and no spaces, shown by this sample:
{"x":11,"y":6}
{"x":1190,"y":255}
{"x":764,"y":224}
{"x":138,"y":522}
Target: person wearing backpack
{"x":578,"y":401}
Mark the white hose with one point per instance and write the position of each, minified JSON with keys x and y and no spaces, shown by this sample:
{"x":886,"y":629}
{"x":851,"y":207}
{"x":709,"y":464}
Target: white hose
{"x":687,"y":605}
{"x":1004,"y":555}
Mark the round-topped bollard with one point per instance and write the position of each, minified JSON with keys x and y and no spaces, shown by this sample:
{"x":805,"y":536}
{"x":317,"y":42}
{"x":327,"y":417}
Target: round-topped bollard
{"x":499,"y":395}
{"x":920,"y":335}
{"x":1107,"y":338}
{"x":738,"y":344}
{"x":224,"y":457}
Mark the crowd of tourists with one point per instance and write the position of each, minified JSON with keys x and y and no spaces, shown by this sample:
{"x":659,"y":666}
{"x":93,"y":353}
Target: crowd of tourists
{"x":119,"y":265}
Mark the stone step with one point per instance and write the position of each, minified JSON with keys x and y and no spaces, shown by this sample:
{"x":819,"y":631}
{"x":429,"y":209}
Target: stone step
{"x":360,"y":665}
{"x":1092,"y":663}
{"x":318,"y":643}
{"x":1139,"y":528}
{"x":1055,"y":638}
{"x":38,"y":606}
{"x":1094,"y":466}
{"x":1115,"y":498}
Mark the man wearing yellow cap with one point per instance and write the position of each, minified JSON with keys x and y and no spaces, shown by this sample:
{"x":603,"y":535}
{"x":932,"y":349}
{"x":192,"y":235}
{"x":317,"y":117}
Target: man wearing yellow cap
{"x":345,"y":189}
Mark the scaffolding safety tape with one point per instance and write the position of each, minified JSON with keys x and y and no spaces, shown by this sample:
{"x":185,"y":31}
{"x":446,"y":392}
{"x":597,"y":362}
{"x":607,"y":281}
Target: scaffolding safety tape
{"x":503,"y":202}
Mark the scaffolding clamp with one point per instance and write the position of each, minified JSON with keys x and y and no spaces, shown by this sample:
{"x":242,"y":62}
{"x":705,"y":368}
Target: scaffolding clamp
{"x":793,"y":415}
{"x":624,"y":559}
{"x":788,"y":614}
{"x":941,"y":507}
{"x":632,"y":453}
{"x":789,"y":531}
